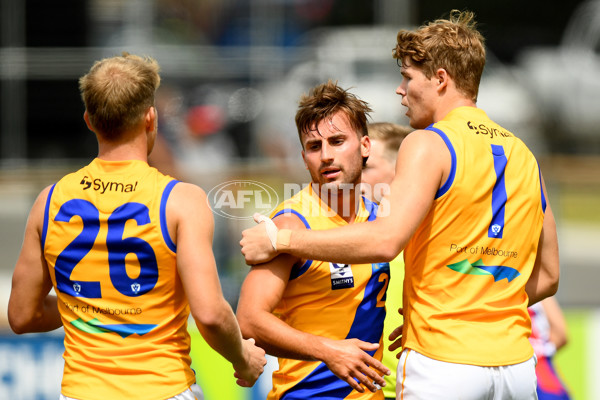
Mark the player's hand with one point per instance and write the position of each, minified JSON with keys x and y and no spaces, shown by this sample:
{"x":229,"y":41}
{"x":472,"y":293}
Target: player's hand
{"x":258,"y":242}
{"x":253,"y":366}
{"x":348,"y":360}
{"x":396,"y":337}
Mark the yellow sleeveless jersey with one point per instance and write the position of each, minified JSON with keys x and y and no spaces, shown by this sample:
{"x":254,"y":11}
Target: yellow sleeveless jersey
{"x":469,"y":260}
{"x":332,"y":300}
{"x":113,"y":267}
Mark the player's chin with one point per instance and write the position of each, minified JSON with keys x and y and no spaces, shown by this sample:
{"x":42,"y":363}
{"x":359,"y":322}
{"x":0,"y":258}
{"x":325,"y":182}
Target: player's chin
{"x":333,"y":185}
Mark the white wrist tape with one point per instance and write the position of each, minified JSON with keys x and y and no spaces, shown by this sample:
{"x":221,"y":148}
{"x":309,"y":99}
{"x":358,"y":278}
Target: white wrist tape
{"x":270,"y":227}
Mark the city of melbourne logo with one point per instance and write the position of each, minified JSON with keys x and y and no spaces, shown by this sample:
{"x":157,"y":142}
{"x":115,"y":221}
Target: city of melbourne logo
{"x":96,"y":327}
{"x":101,"y":186}
{"x":499,"y":272}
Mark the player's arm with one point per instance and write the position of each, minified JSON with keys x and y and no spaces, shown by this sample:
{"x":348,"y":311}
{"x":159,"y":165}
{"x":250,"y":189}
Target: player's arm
{"x":422,"y":161}
{"x":544,"y":278}
{"x":191,"y":226}
{"x":31,"y":308}
{"x":556,"y":320}
{"x":262,"y":291}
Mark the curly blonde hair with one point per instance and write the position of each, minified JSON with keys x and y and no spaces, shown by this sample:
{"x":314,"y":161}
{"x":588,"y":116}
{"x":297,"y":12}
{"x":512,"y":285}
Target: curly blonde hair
{"x":453,"y":44}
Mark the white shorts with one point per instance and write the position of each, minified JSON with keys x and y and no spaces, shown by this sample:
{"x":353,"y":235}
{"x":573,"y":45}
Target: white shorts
{"x":423,"y":378}
{"x":192,"y":393}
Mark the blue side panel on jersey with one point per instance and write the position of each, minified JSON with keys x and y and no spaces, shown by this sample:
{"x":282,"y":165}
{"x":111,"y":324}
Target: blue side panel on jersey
{"x":499,"y":197}
{"x":321,"y":383}
{"x":297,"y":271}
{"x":368,"y":321}
{"x":371,"y":208}
{"x":542,"y":190}
{"x":446,"y":186}
{"x":163,"y":215}
{"x":46,"y":212}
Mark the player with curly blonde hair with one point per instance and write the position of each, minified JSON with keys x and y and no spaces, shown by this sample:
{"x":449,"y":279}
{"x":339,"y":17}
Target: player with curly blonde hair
{"x":469,"y":207}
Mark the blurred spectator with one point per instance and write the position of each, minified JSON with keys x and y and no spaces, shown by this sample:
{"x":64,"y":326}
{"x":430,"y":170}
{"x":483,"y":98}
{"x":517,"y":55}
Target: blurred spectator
{"x":548,"y":334}
{"x":194,"y":128}
{"x":190,"y":21}
{"x":162,"y":158}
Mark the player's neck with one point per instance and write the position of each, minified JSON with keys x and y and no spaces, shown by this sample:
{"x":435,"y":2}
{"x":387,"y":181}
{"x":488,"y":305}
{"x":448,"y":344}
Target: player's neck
{"x":450,"y":104}
{"x":345,"y":201}
{"x":136,"y":148}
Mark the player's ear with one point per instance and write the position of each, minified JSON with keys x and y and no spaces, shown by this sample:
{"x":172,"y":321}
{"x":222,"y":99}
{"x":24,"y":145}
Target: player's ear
{"x":151,"y":119}
{"x":86,"y":118}
{"x":442,"y":78}
{"x":304,"y":159}
{"x":365,"y":146}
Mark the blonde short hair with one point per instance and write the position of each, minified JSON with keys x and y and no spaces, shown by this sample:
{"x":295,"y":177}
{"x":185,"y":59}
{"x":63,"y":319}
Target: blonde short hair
{"x":391,"y":135}
{"x":118,"y":91}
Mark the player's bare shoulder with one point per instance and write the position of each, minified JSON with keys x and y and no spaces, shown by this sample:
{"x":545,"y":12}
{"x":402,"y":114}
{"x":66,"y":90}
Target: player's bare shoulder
{"x":288,"y":220}
{"x":187,"y":203}
{"x":36,"y":214}
{"x":184,"y":192}
{"x":424,"y":150}
{"x":424,"y":140}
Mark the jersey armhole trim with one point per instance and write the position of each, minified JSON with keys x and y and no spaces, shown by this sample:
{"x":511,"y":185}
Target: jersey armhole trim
{"x":46,"y":216}
{"x":163,"y":215}
{"x":371,"y":208}
{"x":543,"y":197}
{"x":446,"y":186}
{"x":297,"y":271}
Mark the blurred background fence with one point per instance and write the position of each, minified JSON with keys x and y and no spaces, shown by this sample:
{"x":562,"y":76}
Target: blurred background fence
{"x":232,"y":72}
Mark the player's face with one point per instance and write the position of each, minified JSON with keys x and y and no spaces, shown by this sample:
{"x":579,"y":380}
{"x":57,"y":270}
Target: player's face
{"x":380,"y":171}
{"x":419,"y":95}
{"x":333,"y":152}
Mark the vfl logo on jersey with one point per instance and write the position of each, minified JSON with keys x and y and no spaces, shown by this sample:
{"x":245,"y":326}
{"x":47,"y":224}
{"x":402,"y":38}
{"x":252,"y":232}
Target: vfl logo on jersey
{"x":496,"y":229}
{"x":341,"y":276}
{"x":499,"y":272}
{"x":100,"y":186}
{"x":135,"y":287}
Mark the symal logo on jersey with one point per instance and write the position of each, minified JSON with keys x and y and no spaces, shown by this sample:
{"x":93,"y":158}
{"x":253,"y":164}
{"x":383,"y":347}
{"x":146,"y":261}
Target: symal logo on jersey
{"x":101,"y":186}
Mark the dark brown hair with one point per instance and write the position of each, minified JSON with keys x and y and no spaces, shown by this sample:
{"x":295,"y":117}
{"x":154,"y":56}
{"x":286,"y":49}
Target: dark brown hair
{"x":326,"y":99}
